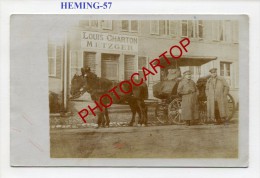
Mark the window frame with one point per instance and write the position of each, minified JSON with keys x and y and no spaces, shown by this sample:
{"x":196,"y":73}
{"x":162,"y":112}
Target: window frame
{"x":109,"y":27}
{"x":195,"y":26}
{"x":226,"y":77}
{"x":182,"y":22}
{"x":129,"y":29}
{"x":176,"y":28}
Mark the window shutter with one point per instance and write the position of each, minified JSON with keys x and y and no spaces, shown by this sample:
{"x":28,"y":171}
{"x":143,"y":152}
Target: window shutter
{"x":75,"y":64}
{"x":129,"y":66}
{"x":110,"y":70}
{"x":58,"y":61}
{"x":90,"y":61}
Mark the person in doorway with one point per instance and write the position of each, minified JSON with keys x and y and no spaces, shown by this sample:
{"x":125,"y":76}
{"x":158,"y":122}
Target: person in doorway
{"x":216,"y":91}
{"x":189,"y":105}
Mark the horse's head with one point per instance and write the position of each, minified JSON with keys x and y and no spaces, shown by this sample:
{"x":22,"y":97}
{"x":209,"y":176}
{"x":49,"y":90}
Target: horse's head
{"x":77,"y":86}
{"x":81,"y":84}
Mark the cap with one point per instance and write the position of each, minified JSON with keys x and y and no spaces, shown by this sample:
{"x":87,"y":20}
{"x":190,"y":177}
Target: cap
{"x":213,"y":70}
{"x":188,"y":72}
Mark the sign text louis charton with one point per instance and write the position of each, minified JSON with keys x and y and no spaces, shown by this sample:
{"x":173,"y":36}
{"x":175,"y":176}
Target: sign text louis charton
{"x":108,"y":41}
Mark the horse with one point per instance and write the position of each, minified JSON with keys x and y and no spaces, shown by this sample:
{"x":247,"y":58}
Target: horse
{"x":97,"y":86}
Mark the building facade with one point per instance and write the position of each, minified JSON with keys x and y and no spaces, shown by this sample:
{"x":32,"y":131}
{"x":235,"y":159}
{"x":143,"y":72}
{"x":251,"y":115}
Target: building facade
{"x":115,"y":49}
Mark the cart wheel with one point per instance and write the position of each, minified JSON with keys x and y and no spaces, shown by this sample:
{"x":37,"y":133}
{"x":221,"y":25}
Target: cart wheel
{"x":174,"y":111}
{"x":161,"y":113}
{"x":231,"y":106}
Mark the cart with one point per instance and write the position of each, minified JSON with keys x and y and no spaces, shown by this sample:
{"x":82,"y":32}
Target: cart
{"x":168,"y":109}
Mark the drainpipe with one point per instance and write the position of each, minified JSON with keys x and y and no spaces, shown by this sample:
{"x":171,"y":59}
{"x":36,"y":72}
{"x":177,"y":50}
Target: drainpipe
{"x":65,"y":78}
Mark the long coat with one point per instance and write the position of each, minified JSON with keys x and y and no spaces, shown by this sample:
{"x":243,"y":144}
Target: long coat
{"x":217,"y":90}
{"x":189,"y":105}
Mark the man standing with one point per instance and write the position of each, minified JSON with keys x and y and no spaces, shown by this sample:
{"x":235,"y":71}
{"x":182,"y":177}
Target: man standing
{"x":189,"y":105}
{"x":216,"y":90}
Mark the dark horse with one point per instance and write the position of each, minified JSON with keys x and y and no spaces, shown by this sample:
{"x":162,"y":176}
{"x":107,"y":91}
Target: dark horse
{"x":96,"y":87}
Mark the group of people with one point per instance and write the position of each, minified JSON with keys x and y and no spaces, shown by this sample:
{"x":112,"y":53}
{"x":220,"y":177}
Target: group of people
{"x":216,"y":91}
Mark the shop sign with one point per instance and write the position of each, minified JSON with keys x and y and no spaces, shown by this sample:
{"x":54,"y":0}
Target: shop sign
{"x":108,"y":41}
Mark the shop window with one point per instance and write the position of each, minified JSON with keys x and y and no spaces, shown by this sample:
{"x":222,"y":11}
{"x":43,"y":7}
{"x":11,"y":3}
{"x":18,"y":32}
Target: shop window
{"x":225,"y":71}
{"x":154,"y":27}
{"x":107,"y":24}
{"x":130,"y":25}
{"x":54,"y":60}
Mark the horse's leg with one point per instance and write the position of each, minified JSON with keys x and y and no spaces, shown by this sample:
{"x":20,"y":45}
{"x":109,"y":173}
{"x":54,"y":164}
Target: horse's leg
{"x":133,"y":109}
{"x":143,"y":111}
{"x":103,"y":119}
{"x":99,"y":121}
{"x":107,"y":117}
{"x":145,"y":114}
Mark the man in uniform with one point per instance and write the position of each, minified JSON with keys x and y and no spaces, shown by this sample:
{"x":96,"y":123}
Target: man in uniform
{"x":189,"y":105}
{"x":216,"y":90}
